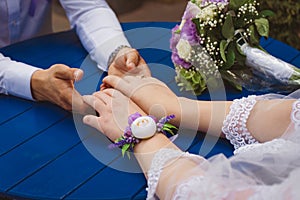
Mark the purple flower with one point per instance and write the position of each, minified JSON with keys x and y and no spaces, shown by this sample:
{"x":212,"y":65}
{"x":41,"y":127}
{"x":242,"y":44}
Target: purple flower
{"x":164,"y":120}
{"x":189,"y":32}
{"x":178,"y":61}
{"x":173,"y":42}
{"x":133,"y":117}
{"x":117,"y":144}
{"x":191,"y":11}
{"x":175,"y":37}
{"x":127,"y":132}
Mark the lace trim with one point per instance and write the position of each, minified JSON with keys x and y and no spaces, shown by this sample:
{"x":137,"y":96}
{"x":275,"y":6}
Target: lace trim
{"x":200,"y":187}
{"x":259,"y":149}
{"x":276,"y":144}
{"x":158,"y":162}
{"x":295,"y":114}
{"x":234,"y":126}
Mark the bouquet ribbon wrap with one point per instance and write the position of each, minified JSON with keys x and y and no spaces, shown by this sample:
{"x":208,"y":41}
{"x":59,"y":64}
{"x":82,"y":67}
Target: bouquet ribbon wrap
{"x":270,"y":67}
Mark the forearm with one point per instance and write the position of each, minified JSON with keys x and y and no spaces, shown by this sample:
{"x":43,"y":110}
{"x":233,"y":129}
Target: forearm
{"x":212,"y":116}
{"x":205,"y":116}
{"x":270,"y":119}
{"x":267,"y":116}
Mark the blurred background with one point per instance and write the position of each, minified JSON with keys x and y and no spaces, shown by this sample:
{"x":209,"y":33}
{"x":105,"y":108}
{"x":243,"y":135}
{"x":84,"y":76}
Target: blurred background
{"x":284,"y":25}
{"x":131,"y":11}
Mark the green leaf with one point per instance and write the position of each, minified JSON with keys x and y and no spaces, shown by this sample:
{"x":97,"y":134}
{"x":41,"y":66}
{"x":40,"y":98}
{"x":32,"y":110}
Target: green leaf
{"x":196,"y":78}
{"x":128,"y":154}
{"x":239,"y":50}
{"x":236,"y":86}
{"x":168,"y":125}
{"x":228,"y":28}
{"x":230,"y":58}
{"x":239,"y":55}
{"x":235,"y":4}
{"x":254,"y":38}
{"x":223,"y":46}
{"x":168,"y":130}
{"x":262,"y":26}
{"x":125,"y":147}
{"x":197,"y":23}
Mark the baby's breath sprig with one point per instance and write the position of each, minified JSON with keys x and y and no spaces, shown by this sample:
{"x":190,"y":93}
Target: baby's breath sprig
{"x":205,"y":44}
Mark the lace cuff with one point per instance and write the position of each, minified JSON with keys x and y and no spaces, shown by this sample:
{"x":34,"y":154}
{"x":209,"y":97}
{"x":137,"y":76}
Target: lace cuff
{"x":295,"y":115}
{"x":160,"y":159}
{"x":234,"y":126}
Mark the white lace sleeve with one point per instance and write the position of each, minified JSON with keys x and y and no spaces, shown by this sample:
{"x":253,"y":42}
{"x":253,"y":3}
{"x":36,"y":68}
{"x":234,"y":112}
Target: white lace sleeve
{"x":295,"y":119}
{"x":234,"y":126}
{"x":160,"y":159}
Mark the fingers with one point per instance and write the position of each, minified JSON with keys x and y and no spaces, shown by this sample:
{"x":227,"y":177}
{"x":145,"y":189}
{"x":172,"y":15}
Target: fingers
{"x":64,"y":72}
{"x":95,"y":103}
{"x":78,"y":105}
{"x":106,"y":99}
{"x":132,"y":59}
{"x":93,"y":121}
{"x":116,"y":82}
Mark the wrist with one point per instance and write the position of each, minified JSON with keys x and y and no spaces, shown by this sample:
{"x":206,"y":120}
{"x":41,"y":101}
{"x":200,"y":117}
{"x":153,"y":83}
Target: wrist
{"x":114,"y":54}
{"x":140,"y":128}
{"x":35,"y":83}
{"x":146,"y":149}
{"x":153,"y":144}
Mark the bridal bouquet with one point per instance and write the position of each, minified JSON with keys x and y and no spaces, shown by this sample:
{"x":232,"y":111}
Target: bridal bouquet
{"x":219,"y":39}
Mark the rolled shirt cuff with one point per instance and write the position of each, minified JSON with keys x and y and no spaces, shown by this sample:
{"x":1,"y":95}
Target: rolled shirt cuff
{"x":18,"y":80}
{"x":101,"y":54}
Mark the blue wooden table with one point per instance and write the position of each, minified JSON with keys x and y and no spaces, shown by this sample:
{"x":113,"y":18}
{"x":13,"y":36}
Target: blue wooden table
{"x":47,"y":153}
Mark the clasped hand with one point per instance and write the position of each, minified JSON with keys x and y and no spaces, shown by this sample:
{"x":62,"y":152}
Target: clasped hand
{"x":131,"y":94}
{"x":56,"y":84}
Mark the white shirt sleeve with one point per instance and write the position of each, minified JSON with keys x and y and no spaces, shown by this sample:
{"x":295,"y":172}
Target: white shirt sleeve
{"x":97,"y":27}
{"x":15,"y":78}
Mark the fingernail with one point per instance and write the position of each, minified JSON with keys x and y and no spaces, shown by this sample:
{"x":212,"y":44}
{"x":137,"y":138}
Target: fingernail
{"x":131,"y":64}
{"x":85,"y":119}
{"x":76,"y":74}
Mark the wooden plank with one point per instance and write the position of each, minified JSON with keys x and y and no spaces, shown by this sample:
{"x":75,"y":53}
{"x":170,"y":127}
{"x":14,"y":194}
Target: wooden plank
{"x":141,"y":195}
{"x":27,"y":125}
{"x":29,"y":157}
{"x":61,"y":176}
{"x":8,"y":102}
{"x":111,"y":184}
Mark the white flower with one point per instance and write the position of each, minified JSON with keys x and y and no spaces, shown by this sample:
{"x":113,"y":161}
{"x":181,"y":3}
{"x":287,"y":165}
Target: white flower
{"x":198,"y":2}
{"x":208,"y":13}
{"x":191,"y":11}
{"x":184,"y":49}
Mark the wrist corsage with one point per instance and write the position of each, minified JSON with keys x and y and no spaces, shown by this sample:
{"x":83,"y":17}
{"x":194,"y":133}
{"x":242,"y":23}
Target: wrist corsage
{"x":142,"y":127}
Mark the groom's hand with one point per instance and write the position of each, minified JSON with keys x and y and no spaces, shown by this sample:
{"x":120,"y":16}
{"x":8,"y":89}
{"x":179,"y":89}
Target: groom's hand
{"x":56,"y":85}
{"x":128,"y":61}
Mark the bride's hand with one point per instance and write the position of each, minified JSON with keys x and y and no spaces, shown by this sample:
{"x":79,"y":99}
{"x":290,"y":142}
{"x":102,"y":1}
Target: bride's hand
{"x":113,"y":108}
{"x":150,"y":94}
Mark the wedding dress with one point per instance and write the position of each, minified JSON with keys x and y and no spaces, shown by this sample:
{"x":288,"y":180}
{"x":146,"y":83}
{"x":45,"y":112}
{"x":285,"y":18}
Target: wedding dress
{"x":269,"y":170}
